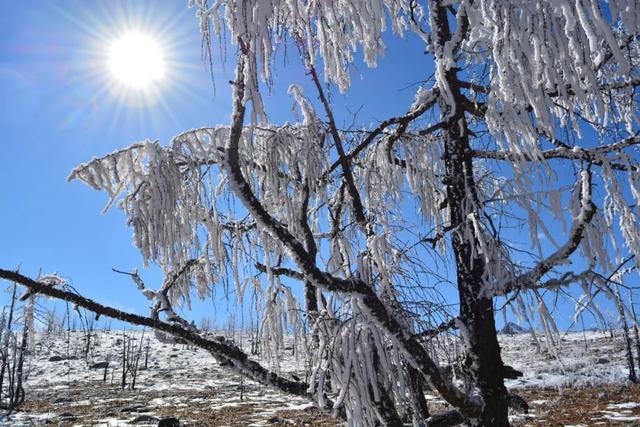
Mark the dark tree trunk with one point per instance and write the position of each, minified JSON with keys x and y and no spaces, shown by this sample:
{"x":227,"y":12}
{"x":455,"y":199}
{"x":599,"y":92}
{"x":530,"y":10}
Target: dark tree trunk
{"x":386,"y":410}
{"x":634,"y":321}
{"x":632,"y":369}
{"x":310,"y":297}
{"x":478,"y":329}
{"x":627,"y":337}
{"x":18,"y":395}
{"x":476,"y":310}
{"x":5,"y":340}
{"x":417,"y":390}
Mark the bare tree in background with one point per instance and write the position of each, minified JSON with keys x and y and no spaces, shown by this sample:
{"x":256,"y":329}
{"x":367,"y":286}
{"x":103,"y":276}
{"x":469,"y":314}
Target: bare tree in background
{"x":528,"y":124}
{"x":14,"y":349}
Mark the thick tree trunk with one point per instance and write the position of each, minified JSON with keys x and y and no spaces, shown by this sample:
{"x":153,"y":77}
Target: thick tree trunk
{"x":478,"y":329}
{"x":476,"y":311}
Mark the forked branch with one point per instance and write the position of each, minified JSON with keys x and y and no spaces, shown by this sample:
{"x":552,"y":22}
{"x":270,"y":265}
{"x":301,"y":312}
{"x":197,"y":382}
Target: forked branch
{"x":412,"y":349}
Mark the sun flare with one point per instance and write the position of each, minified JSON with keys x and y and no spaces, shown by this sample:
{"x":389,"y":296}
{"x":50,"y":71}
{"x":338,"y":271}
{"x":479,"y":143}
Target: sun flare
{"x":136,"y":60}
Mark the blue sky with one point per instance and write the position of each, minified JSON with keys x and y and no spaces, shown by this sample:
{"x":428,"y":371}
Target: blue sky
{"x":58,"y":108}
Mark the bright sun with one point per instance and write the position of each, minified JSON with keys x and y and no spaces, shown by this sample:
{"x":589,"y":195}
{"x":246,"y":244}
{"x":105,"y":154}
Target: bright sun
{"x":136,"y":60}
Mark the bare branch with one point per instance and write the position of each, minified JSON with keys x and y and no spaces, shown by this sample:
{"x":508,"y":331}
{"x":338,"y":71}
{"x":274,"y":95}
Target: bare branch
{"x":430,"y":100}
{"x":358,"y":208}
{"x":434,"y":332}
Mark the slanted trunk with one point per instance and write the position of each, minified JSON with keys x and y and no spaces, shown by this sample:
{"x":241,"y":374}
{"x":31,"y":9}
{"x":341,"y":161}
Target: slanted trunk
{"x":476,"y":309}
{"x":627,"y":338}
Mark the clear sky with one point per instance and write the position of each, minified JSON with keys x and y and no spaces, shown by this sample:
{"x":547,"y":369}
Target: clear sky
{"x":59,"y":107}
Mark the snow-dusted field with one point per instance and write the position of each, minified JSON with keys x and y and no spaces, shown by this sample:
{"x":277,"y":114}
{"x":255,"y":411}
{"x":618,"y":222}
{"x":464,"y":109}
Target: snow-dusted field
{"x":180,"y":381}
{"x":586,"y":373}
{"x":580,"y":359}
{"x":188,"y":384}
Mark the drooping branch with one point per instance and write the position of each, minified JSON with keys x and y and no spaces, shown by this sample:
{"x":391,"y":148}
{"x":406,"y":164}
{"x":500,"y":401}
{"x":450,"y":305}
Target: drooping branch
{"x":223,"y":351}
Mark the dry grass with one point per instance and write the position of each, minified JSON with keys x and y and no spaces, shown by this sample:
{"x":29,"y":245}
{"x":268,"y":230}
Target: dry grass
{"x":585,"y":406}
{"x":91,"y":402}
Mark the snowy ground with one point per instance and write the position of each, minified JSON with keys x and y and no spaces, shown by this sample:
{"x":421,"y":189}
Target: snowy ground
{"x":180,"y":381}
{"x":581,"y":359}
{"x":586,"y":373}
{"x":585,"y":377}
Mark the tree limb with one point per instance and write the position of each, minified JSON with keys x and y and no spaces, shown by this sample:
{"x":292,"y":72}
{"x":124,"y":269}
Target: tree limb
{"x":531,"y":278}
{"x":224,"y":351}
{"x":358,"y":208}
{"x":280,"y":271}
{"x":589,"y":155}
{"x":413,"y":114}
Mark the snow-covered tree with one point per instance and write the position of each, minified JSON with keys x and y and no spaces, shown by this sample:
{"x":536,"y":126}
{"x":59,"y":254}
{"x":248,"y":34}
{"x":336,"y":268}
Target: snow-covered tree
{"x":529,"y":123}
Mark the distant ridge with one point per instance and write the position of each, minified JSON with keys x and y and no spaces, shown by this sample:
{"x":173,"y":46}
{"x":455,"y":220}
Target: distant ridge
{"x":512,"y":329}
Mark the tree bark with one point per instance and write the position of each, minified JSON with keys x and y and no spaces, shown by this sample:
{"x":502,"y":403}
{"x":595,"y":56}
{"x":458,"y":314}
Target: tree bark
{"x":478,"y":329}
{"x":5,"y":340}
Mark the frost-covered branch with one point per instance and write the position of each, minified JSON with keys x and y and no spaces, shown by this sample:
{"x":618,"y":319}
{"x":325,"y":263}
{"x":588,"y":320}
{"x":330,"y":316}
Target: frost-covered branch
{"x":372,"y":305}
{"x":280,"y":271}
{"x":222,"y":350}
{"x":580,"y":223}
{"x":161,"y":298}
{"x":596,"y":156}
